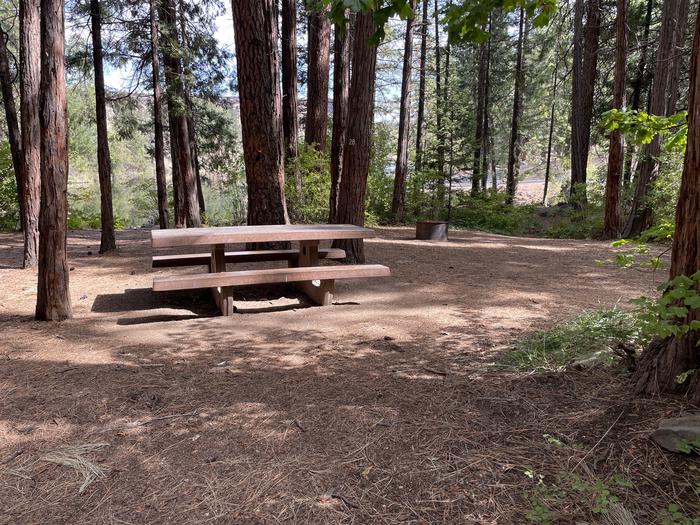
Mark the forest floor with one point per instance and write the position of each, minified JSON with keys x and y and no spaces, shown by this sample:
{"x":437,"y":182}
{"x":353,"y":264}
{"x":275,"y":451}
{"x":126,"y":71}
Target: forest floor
{"x":386,"y":407}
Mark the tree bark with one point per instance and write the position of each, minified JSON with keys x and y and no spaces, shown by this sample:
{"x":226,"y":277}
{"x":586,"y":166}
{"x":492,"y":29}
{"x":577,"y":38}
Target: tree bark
{"x":108,"y":241}
{"x":420,"y":118}
{"x":341,"y":85}
{"x":552,"y":108}
{"x":514,"y":145}
{"x":401,"y":170}
{"x":358,"y":141}
{"x":161,"y":186}
{"x":439,"y":131}
{"x":53,"y":294}
{"x":666,"y":359}
{"x":255,"y":28}
{"x":677,"y":57}
{"x":640,"y":213}
{"x":611,"y":221}
{"x":584,"y":72}
{"x":319,"y":32}
{"x":290,"y":104}
{"x":480,"y":121}
{"x":13,"y":134}
{"x":30,"y":79}
{"x":187,"y":200}
{"x":486,"y":149}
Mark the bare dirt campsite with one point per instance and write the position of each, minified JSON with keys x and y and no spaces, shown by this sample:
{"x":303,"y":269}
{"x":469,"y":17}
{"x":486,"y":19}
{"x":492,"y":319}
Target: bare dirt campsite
{"x":389,"y":406}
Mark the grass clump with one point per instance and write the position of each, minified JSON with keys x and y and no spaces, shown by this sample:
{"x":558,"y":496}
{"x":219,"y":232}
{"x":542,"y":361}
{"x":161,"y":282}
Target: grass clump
{"x":593,"y":334}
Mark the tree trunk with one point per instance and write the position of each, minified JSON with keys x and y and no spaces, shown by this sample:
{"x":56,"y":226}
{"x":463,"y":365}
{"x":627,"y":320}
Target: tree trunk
{"x":420,"y":118}
{"x":255,"y":29}
{"x":108,"y":242}
{"x":514,"y":145}
{"x":317,"y":87}
{"x":161,"y":186}
{"x":401,"y":171}
{"x":358,"y":141}
{"x":666,"y":359}
{"x":637,"y":86}
{"x":585,"y":55}
{"x":548,"y":166}
{"x":13,"y":134}
{"x":479,"y":126}
{"x":677,"y":57}
{"x":341,"y":84}
{"x":53,"y":294}
{"x":611,"y":223}
{"x":290,"y":104}
{"x":30,"y":79}
{"x":187,"y":201}
{"x":439,"y":131}
{"x":486,"y":149}
{"x":640,"y":213}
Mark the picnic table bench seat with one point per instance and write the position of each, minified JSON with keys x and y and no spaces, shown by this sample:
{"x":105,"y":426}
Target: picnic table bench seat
{"x":197,"y":259}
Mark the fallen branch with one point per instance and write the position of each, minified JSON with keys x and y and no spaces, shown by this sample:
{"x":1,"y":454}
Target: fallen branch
{"x":599,"y":441}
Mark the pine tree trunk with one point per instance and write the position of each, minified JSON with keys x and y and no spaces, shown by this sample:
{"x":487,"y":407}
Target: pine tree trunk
{"x":486,"y":149}
{"x":53,"y":294}
{"x":341,"y":85}
{"x":358,"y":142}
{"x":30,"y":80}
{"x":611,"y":222}
{"x":439,"y":131}
{"x":584,"y":72}
{"x":401,"y":171}
{"x":420,"y":118}
{"x":290,"y":104}
{"x":13,"y":134}
{"x":480,"y":121}
{"x":552,"y":109}
{"x":161,"y":186}
{"x":317,"y":87}
{"x":666,"y":359}
{"x":108,"y":242}
{"x":677,"y":57}
{"x":640,"y":213}
{"x":255,"y":29}
{"x":514,"y":145}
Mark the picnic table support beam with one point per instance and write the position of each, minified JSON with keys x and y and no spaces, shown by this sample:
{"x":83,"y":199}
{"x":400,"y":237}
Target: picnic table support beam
{"x":223,"y":295}
{"x":320,"y":292}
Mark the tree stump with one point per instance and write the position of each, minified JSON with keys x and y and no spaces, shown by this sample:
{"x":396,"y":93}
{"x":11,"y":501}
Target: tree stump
{"x":431,"y":230}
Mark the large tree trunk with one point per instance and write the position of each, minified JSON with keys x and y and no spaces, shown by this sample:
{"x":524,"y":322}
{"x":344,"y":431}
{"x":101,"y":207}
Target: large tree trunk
{"x":480,"y":121}
{"x":255,"y":28}
{"x":401,"y":171}
{"x":420,"y":118}
{"x":666,"y":359}
{"x":53,"y":294}
{"x":108,"y":242}
{"x":358,"y":141}
{"x":13,"y":134}
{"x":290,"y":104}
{"x":30,"y":79}
{"x":514,"y":145}
{"x":640,"y":213}
{"x":637,"y":86}
{"x":317,"y":87}
{"x":184,"y":181}
{"x":341,"y":85}
{"x":677,"y":57}
{"x":161,"y":186}
{"x":584,"y":72}
{"x":611,"y":222}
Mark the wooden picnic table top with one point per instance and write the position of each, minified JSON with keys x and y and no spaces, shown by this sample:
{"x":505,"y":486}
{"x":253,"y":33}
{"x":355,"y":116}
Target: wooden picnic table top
{"x":267,"y":233}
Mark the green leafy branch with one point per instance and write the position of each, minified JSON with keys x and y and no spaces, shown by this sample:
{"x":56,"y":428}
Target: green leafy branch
{"x":641,"y":127}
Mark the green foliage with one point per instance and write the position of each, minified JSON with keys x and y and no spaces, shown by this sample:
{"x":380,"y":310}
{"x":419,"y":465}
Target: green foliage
{"x":308,"y":203}
{"x":597,"y":332}
{"x":673,"y":515}
{"x":641,"y":127}
{"x":489,"y":212}
{"x":9,"y":206}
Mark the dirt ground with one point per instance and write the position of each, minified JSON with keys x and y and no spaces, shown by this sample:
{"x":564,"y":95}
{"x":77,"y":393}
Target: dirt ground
{"x":383,"y":408}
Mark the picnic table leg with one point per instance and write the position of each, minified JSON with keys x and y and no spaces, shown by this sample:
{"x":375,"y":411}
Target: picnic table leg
{"x":320,"y":292}
{"x":223,"y":295}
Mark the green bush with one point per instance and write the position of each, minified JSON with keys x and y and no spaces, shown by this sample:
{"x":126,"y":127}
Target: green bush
{"x":309,"y":203}
{"x":9,"y":206}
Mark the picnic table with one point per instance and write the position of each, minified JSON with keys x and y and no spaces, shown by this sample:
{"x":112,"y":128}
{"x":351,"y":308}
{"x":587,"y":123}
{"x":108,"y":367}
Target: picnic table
{"x":303,"y":268}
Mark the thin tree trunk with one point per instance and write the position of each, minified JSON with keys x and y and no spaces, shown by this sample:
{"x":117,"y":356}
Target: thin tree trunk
{"x":108,"y":242}
{"x":30,"y":80}
{"x":53,"y":294}
{"x":318,"y":71}
{"x":439,"y":132}
{"x":341,"y":85}
{"x":677,"y":57}
{"x":548,"y":166}
{"x":640,"y":213}
{"x":13,"y":134}
{"x":161,"y":186}
{"x":514,"y":145}
{"x":255,"y":29}
{"x":486,"y":135}
{"x":401,"y":171}
{"x":666,"y":359}
{"x":480,"y":121}
{"x":420,"y":119}
{"x":611,"y":223}
{"x":358,"y":141}
{"x":290,"y":104}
